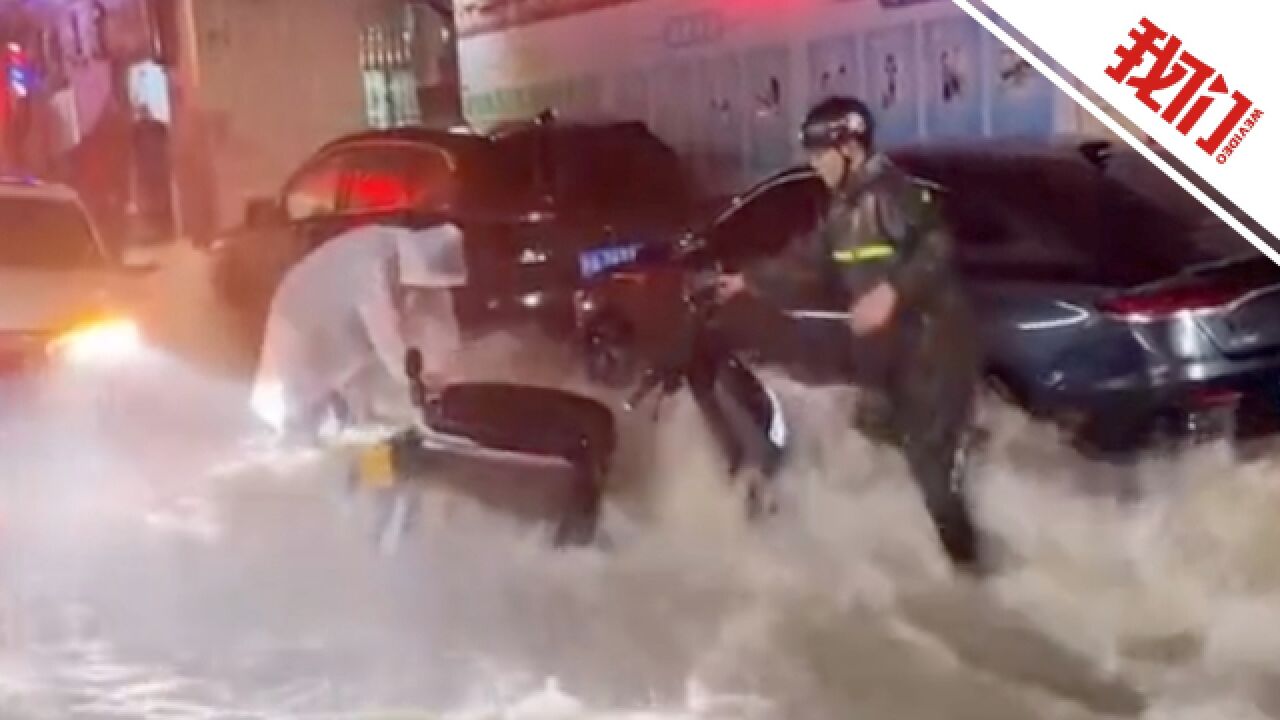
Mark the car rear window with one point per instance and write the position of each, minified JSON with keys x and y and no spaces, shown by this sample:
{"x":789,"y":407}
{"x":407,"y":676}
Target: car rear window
{"x":501,"y":178}
{"x":616,"y":173}
{"x":620,"y":173}
{"x":45,"y":234}
{"x":1213,"y":235}
{"x":1059,"y":219}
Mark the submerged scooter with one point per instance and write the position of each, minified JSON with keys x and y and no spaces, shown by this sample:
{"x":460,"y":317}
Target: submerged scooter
{"x":536,"y":454}
{"x":544,"y":454}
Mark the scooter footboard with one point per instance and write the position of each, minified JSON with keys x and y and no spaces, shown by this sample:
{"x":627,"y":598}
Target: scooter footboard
{"x":523,"y":419}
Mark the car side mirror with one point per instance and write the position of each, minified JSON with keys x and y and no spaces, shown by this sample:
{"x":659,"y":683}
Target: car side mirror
{"x":263,"y":212}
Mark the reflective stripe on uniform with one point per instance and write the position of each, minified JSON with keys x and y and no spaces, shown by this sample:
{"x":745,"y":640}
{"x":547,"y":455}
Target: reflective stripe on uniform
{"x":863,"y":253}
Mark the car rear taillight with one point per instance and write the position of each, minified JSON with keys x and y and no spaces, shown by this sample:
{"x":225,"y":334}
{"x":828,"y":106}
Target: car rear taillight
{"x":1209,"y":397}
{"x":1170,"y":302}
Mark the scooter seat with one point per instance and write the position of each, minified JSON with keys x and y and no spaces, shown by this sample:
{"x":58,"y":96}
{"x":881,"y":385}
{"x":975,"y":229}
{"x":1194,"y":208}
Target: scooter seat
{"x":526,"y":419}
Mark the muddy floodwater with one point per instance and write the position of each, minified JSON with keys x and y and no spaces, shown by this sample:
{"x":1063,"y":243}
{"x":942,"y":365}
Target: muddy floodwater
{"x":162,"y":565}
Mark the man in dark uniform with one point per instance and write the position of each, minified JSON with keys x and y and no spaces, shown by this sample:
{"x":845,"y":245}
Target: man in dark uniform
{"x":884,"y":256}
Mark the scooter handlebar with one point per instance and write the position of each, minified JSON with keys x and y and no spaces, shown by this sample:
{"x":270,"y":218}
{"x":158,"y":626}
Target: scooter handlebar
{"x":651,"y":381}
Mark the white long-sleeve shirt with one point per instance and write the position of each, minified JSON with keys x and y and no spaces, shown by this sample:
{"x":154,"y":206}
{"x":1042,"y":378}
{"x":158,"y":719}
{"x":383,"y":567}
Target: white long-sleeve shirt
{"x":335,"y":314}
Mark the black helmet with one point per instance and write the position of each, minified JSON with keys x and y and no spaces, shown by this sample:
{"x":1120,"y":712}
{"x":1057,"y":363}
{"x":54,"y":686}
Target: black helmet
{"x":835,"y":121}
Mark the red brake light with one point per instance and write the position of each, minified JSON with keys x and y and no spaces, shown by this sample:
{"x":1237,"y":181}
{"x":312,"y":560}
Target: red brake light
{"x":1206,"y":397}
{"x":372,"y":192}
{"x":1163,"y":304}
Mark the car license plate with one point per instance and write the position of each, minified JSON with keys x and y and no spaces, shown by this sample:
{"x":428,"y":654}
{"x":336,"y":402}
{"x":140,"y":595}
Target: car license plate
{"x":376,"y":467}
{"x":597,"y":260}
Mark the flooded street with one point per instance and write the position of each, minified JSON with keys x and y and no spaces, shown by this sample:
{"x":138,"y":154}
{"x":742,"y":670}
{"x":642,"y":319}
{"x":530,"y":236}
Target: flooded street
{"x":170,"y":569}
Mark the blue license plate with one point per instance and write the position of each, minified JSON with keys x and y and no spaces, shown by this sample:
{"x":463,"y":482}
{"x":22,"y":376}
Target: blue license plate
{"x":595,"y":261}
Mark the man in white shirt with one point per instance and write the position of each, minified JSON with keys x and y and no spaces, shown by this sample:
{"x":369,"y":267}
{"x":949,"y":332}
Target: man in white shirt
{"x":343,"y":318}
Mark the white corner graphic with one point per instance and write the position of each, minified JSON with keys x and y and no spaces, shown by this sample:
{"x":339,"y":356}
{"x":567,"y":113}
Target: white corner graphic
{"x":1117,"y":128}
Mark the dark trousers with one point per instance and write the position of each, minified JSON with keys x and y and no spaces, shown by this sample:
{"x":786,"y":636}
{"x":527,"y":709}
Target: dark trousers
{"x":933,"y":380}
{"x":938,"y":459}
{"x":918,"y":388}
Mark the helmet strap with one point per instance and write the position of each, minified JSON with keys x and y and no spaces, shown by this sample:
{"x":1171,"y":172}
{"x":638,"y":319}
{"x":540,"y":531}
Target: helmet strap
{"x":847,"y":165}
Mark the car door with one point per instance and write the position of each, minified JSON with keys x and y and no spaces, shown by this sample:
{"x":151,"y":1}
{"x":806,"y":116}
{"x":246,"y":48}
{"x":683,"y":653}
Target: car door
{"x":577,"y":200}
{"x":615,"y":188}
{"x":1030,"y":264}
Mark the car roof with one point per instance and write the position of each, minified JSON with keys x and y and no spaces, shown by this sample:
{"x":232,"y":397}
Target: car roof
{"x":1088,"y":151}
{"x":1084,"y":151}
{"x":464,"y":139}
{"x":1114,"y":163}
{"x":995,"y":149}
{"x":456,"y":140}
{"x":569,"y":128}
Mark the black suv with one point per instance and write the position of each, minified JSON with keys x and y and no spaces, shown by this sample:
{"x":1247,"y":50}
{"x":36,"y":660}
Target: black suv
{"x":541,"y":205}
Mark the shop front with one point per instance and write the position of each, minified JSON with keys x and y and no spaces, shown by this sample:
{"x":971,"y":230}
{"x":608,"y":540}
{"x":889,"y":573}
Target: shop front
{"x":408,"y":65}
{"x":86,"y":101}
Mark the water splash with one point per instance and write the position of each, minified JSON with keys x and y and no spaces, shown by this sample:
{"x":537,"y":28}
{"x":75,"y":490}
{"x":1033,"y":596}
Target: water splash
{"x":152,"y":586}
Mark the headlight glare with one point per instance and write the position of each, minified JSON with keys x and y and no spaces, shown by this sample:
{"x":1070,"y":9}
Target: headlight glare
{"x":99,"y":341}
